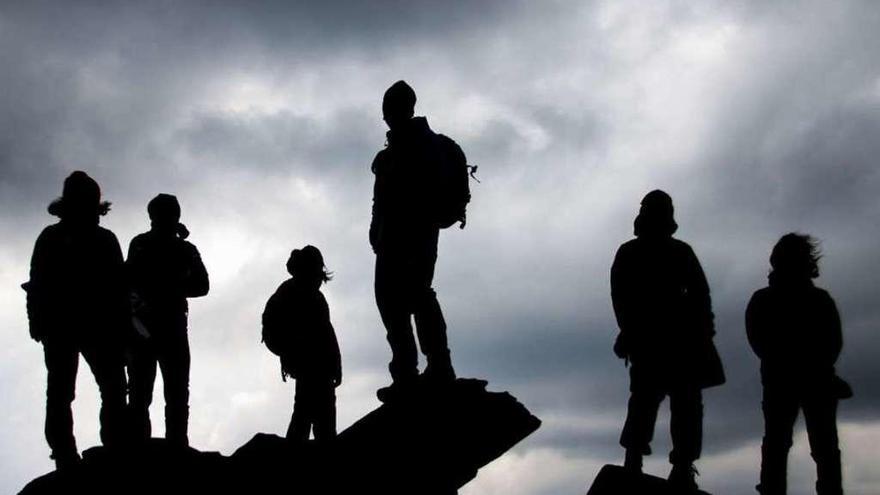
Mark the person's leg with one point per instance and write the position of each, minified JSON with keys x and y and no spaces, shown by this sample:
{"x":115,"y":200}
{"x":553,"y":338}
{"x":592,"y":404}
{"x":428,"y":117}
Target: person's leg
{"x":780,"y":408}
{"x":325,"y":412}
{"x":301,"y":419}
{"x":641,"y":416}
{"x":391,"y":296}
{"x":686,"y":428}
{"x":62,"y":360}
{"x":820,"y":415}
{"x":430,"y":324}
{"x":142,"y":378}
{"x":174,"y":360}
{"x":107,"y":365}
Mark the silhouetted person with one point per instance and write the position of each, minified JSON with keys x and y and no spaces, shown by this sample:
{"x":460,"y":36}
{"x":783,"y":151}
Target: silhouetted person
{"x":794,"y":328}
{"x":661,"y":300}
{"x":164,"y":270}
{"x":296,"y":326}
{"x":77,"y":303}
{"x":407,"y":203}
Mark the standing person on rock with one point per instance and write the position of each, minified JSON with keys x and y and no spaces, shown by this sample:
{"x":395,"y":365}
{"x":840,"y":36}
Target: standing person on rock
{"x":664,"y":312}
{"x":421,"y":186}
{"x":794,"y":328}
{"x":297,"y":328}
{"x":164,"y":270}
{"x":77,"y":303}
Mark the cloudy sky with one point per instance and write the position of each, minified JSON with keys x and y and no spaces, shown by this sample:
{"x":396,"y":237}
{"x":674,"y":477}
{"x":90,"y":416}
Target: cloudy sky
{"x":759,"y":118}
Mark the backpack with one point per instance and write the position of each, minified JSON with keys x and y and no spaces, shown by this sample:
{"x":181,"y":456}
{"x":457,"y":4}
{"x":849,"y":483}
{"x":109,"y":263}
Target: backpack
{"x":452,"y":177}
{"x":276,"y":336}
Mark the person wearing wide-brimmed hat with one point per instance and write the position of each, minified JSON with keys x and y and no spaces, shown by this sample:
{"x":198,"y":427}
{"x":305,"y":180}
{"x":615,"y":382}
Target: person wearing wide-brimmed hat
{"x":77,"y":303}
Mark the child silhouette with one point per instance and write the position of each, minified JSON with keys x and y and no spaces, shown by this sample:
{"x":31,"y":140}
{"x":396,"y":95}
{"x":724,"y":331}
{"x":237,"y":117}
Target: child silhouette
{"x":296,"y":327}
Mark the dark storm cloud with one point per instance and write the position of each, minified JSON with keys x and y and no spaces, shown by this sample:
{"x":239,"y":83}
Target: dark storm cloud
{"x":552,"y":102}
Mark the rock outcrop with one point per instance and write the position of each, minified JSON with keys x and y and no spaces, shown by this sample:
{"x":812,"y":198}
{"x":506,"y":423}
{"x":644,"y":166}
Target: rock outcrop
{"x":430,"y":439}
{"x":615,"y":480}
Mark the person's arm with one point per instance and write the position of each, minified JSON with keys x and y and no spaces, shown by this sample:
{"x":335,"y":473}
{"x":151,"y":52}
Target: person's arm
{"x":620,"y":300}
{"x":378,"y":197}
{"x":755,"y":331}
{"x":835,"y":330}
{"x":698,"y":294}
{"x":337,"y":357}
{"x":196,"y":284}
{"x":120,"y":299}
{"x":39,"y":289}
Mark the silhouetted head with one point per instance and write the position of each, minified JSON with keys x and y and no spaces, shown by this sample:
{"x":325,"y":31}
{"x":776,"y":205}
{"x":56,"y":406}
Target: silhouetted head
{"x":795,"y":258}
{"x":655,"y":218}
{"x":80,"y":199}
{"x":398,"y":105}
{"x":307,"y":265}
{"x":164,"y":211}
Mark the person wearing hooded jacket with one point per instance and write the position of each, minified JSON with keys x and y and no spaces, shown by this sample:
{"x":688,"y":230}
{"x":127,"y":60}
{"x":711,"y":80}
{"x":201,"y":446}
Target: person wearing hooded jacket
{"x":664,"y":311}
{"x":164,"y":270}
{"x":404,"y":232}
{"x":794,"y":328}
{"x":297,"y":327}
{"x":77,"y":303}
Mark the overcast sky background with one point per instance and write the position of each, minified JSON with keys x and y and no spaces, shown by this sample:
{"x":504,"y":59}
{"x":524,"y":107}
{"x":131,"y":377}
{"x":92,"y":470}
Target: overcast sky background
{"x":759,"y":118}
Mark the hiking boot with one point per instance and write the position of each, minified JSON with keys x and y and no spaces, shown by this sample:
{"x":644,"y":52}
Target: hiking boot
{"x":438,"y":375}
{"x":632,"y":462}
{"x":683,"y":477}
{"x":395,"y":391}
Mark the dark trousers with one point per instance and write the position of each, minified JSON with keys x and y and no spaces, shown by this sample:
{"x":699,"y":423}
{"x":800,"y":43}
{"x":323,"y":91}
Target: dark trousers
{"x":169,"y":349}
{"x":403,"y":289}
{"x":686,"y":422}
{"x":781,"y":405}
{"x":62,"y":362}
{"x":314,"y":408}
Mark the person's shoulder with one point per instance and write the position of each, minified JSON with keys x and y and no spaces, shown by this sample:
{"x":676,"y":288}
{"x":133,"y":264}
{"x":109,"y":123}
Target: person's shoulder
{"x":286,"y":286}
{"x":106,"y":234}
{"x":449,"y":144}
{"x":49,"y":232}
{"x":189,"y":247}
{"x":379,"y":160}
{"x":629,"y":246}
{"x":680,"y":245}
{"x":762,"y":294}
{"x":142,"y":238}
{"x":821,"y":295}
{"x":284,"y":290}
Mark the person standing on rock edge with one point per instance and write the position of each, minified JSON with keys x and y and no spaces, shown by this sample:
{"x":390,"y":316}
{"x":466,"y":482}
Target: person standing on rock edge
{"x":664,"y":312}
{"x":77,"y":303}
{"x":794,"y":328}
{"x":411,"y":203}
{"x":296,"y":327}
{"x":164,"y":270}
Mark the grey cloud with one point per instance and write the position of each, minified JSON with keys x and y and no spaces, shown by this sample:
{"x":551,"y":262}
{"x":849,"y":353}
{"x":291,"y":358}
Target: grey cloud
{"x":123,"y":91}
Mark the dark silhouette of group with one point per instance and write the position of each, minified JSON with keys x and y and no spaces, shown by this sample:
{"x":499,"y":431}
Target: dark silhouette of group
{"x":83,"y":298}
{"x":664,"y":311}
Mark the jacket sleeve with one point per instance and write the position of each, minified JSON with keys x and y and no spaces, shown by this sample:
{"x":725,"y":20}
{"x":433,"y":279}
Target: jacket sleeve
{"x":39,"y":289}
{"x":700,"y":300}
{"x":334,"y":342}
{"x":119,"y":286}
{"x":755,"y":325}
{"x":378,"y":197}
{"x":835,"y":331}
{"x":197,"y":284}
{"x":620,"y":290}
{"x":134,"y":264}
